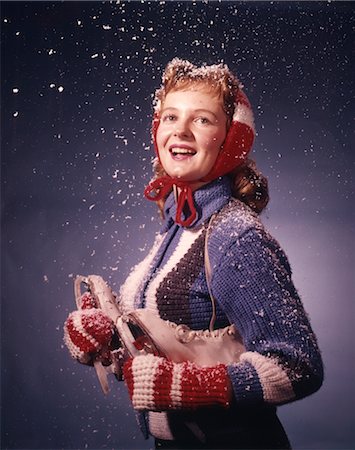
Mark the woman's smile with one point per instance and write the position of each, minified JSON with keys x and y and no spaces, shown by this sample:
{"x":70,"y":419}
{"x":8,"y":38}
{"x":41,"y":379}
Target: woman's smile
{"x":180,"y":152}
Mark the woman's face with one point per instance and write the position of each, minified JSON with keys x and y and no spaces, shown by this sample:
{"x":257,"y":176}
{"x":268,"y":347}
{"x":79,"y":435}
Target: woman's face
{"x":192,"y":128}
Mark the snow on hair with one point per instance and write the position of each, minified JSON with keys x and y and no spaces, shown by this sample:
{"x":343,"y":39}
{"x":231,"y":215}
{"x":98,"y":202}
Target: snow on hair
{"x":217,"y":78}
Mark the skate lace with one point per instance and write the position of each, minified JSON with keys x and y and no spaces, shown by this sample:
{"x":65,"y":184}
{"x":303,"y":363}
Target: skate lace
{"x":184,"y":334}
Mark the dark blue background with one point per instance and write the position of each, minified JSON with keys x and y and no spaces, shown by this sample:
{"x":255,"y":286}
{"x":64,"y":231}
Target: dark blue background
{"x":77,"y":80}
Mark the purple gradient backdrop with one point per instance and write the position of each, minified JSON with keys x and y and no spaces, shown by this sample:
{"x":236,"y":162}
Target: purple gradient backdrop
{"x":77,"y":79}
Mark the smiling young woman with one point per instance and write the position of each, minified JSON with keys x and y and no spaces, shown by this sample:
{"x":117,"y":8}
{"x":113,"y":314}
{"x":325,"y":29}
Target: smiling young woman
{"x":212,"y":262}
{"x":223,"y":96}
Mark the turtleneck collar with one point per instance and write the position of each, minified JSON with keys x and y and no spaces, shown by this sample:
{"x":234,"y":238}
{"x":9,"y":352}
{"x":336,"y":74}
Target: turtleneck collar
{"x":208,"y":199}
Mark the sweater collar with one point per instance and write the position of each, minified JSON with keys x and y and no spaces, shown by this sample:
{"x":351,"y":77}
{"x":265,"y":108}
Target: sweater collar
{"x":208,"y":199}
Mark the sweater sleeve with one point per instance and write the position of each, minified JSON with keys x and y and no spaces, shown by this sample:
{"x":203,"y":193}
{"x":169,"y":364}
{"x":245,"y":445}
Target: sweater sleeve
{"x":251,"y":281}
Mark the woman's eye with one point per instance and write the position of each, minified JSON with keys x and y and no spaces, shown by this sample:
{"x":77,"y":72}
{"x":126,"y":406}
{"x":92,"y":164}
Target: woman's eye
{"x":203,"y":120}
{"x":169,"y":118}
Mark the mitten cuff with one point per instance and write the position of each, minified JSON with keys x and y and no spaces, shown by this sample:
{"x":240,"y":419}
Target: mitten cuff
{"x":195,"y":386}
{"x":157,"y":384}
{"x":148,"y":380}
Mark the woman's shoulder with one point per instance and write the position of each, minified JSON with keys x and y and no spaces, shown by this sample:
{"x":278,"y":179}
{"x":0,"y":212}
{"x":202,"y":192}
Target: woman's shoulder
{"x":233,"y":220}
{"x":238,"y":231}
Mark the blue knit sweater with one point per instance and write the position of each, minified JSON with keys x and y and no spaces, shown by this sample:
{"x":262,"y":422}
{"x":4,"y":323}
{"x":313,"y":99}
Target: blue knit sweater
{"x":251,"y":282}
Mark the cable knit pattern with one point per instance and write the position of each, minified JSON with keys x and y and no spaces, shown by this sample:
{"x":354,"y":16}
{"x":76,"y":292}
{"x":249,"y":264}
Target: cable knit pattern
{"x":251,"y":282}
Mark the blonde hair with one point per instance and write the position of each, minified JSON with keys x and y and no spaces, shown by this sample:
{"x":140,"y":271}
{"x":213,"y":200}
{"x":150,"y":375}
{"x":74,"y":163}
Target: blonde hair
{"x":248,"y":184}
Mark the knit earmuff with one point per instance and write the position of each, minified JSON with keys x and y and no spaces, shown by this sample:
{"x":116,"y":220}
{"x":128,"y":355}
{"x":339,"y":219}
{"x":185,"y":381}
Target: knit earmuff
{"x":237,"y":145}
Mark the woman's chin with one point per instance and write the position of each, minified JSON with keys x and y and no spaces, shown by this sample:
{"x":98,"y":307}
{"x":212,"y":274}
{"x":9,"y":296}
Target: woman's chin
{"x":181,"y":174}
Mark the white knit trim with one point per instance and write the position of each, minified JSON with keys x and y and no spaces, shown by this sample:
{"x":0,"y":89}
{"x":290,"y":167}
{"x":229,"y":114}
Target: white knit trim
{"x":134,"y":282}
{"x":144,"y":378}
{"x":176,"y":390}
{"x":159,"y":425}
{"x":187,"y":238}
{"x":244,"y":114}
{"x":277,"y":387}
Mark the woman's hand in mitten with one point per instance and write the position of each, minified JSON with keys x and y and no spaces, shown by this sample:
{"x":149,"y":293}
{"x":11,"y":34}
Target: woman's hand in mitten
{"x":157,"y":384}
{"x":88,"y":332}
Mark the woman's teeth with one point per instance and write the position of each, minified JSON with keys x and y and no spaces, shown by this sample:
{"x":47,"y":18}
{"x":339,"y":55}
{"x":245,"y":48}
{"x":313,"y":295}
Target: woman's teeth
{"x":182,"y":151}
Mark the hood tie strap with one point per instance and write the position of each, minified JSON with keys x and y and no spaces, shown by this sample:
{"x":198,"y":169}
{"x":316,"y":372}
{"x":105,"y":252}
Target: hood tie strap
{"x":163,"y":186}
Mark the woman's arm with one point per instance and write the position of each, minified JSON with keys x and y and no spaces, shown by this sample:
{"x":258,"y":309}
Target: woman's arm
{"x":252,"y":282}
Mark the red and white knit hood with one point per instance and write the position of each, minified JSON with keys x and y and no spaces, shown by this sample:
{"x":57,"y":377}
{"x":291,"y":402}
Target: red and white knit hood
{"x":237,"y":145}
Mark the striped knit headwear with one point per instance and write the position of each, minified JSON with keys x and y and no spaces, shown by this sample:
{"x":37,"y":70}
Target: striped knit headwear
{"x":237,"y":145}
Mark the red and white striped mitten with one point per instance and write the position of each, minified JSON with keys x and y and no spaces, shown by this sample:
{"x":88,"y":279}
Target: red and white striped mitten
{"x":88,"y":332}
{"x":157,"y":384}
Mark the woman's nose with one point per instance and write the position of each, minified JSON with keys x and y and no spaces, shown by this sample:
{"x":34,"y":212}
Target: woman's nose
{"x":182,"y":129}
